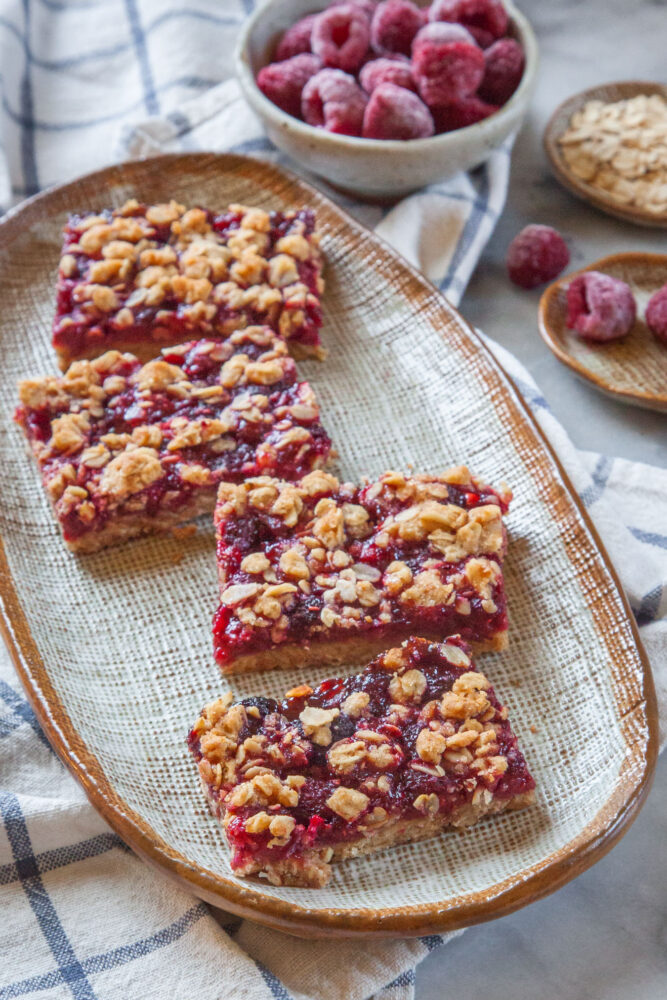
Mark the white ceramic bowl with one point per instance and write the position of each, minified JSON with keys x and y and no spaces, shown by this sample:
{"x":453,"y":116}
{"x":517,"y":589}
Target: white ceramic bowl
{"x":374,"y":168}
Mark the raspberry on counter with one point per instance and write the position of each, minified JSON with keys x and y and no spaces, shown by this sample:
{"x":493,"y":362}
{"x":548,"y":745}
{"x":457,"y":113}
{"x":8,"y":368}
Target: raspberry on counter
{"x":536,"y":255}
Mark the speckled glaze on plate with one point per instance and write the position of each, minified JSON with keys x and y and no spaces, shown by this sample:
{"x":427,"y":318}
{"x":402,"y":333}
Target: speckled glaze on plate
{"x":115,"y":652}
{"x":558,"y":123}
{"x":632,"y":370}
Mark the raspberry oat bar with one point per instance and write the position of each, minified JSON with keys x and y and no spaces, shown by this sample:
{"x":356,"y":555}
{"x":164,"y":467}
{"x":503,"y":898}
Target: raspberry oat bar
{"x":145,"y":276}
{"x":126,"y":449}
{"x":416,"y":742}
{"x":328,"y":572}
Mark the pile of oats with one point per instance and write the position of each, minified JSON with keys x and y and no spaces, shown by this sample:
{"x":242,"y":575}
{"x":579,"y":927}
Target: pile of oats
{"x":621,"y":149}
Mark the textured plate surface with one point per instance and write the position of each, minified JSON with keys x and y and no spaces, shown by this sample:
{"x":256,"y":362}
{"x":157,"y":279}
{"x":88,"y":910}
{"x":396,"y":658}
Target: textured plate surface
{"x":115,"y":649}
{"x":609,"y":93}
{"x":632,"y":370}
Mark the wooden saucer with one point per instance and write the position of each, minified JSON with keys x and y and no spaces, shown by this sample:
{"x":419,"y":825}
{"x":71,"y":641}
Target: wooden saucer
{"x":558,"y":123}
{"x":632,"y":370}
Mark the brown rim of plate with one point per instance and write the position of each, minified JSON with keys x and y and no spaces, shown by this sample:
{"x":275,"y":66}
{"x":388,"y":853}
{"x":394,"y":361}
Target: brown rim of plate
{"x":558,"y":122}
{"x":646,"y":400}
{"x":593,"y":841}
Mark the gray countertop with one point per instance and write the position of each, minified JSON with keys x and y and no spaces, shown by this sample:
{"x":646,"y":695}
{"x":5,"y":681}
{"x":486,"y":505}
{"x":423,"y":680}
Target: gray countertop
{"x":604,"y":936}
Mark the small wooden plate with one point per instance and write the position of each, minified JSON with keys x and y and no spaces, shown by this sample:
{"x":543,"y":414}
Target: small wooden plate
{"x":558,"y":123}
{"x":632,"y":370}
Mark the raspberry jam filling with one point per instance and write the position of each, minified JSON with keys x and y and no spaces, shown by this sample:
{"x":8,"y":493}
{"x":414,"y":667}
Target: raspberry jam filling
{"x":418,"y":733}
{"x":206,"y":411}
{"x":392,"y":570}
{"x":163,"y":274}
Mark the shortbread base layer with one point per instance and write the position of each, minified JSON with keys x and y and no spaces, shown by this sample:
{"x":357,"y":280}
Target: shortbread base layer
{"x":312,"y":871}
{"x":353,"y":651}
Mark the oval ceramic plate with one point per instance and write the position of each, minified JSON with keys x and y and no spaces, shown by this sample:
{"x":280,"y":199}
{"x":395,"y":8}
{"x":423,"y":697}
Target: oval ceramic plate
{"x":114,"y":649}
{"x":556,"y":126}
{"x":632,"y":370}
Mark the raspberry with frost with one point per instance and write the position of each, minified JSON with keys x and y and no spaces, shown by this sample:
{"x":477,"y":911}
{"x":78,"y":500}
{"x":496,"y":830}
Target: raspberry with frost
{"x":459,"y":114}
{"x":296,"y":39}
{"x":395,"y":23}
{"x":504,"y":62}
{"x":333,"y":100}
{"x":656,"y":314}
{"x":537,"y":254}
{"x":447,"y":63}
{"x":341,"y":36}
{"x":396,"y":113}
{"x":486,"y":20}
{"x":283,"y":82}
{"x":377,"y":71}
{"x":599,"y":307}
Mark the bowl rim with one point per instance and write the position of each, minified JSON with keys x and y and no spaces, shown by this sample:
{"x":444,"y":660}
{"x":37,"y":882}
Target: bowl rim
{"x":267,"y":109}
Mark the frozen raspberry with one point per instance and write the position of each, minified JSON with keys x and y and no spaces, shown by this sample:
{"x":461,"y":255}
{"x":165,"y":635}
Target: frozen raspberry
{"x":385,"y":70}
{"x":333,"y":100}
{"x":600,"y":307}
{"x":535,"y":255}
{"x":656,"y":314}
{"x":341,"y":36}
{"x":296,"y":39}
{"x":467,"y":111}
{"x":368,"y":6}
{"x":504,"y":62}
{"x":486,"y":20}
{"x":395,"y":23}
{"x":447,"y":63}
{"x":396,"y":113}
{"x":283,"y":82}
